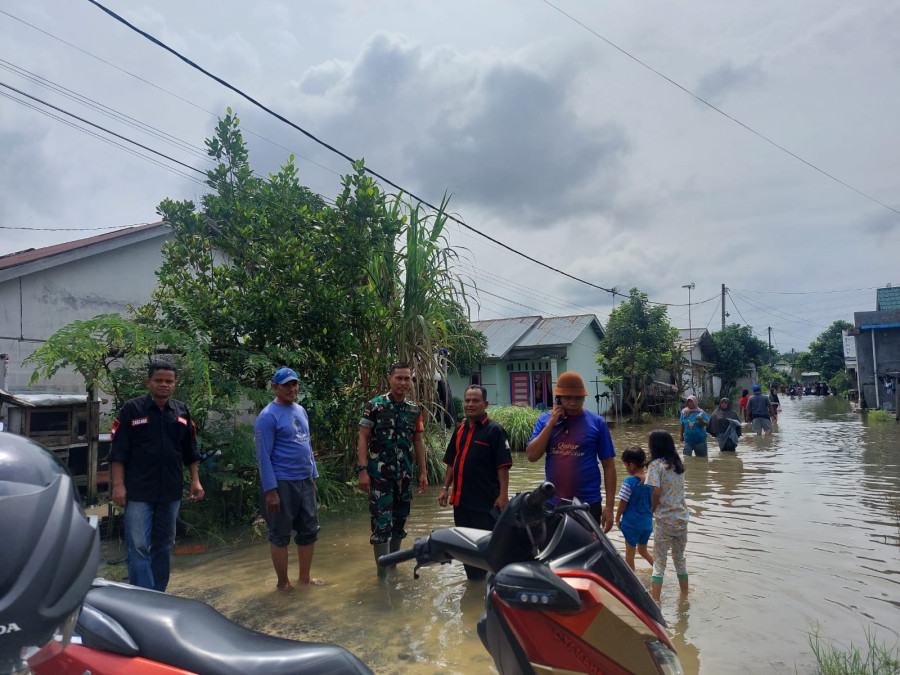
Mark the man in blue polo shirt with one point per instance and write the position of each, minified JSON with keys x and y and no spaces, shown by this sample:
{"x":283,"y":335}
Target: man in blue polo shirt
{"x":287,"y":473}
{"x":575,"y":440}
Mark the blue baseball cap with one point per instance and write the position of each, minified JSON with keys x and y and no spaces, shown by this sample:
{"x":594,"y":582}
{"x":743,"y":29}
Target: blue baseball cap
{"x":283,"y":375}
{"x":756,"y":387}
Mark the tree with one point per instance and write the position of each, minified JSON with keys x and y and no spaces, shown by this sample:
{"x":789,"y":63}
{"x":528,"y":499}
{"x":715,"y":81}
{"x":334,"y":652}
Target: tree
{"x":737,"y":347}
{"x":827,"y":350}
{"x":637,"y":342}
{"x":262,"y":274}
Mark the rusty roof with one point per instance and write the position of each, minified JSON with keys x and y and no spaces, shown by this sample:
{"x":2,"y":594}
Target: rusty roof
{"x":32,"y":254}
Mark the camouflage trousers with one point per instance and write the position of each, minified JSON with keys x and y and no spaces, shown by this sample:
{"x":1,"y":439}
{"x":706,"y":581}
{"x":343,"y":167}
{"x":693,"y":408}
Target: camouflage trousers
{"x":390,"y":498}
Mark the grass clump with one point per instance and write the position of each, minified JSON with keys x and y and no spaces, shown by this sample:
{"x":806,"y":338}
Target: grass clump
{"x":875,"y":659}
{"x":517,"y":421}
{"x":880,"y":416}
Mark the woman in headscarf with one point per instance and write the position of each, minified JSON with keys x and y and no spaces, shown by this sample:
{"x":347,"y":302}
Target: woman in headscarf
{"x":725,"y":425}
{"x":693,"y":428}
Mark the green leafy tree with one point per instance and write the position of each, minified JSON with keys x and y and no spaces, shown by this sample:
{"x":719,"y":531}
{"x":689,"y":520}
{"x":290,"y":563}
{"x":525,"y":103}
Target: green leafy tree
{"x":737,"y":348}
{"x":827,"y":350}
{"x":638,"y":341}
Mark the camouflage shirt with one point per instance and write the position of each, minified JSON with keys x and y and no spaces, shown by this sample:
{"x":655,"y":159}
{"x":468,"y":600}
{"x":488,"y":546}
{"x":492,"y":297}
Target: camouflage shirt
{"x":393,"y":426}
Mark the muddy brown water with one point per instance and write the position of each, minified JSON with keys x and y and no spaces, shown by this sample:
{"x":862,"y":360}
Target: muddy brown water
{"x":792,"y":532}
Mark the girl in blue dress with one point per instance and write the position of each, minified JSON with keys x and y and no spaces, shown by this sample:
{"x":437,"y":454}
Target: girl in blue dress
{"x":634,"y":516}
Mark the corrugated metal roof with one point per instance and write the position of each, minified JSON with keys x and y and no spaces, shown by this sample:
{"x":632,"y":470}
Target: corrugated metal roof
{"x":887,"y":298}
{"x":533,"y":331}
{"x":558,"y":330}
{"x":503,"y":334}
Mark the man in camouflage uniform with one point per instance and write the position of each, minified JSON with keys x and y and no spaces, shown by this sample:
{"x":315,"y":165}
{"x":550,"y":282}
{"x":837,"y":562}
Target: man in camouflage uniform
{"x":390,"y":428}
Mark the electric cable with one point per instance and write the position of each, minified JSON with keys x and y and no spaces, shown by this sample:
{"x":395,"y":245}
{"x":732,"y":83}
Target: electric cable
{"x":97,"y":126}
{"x":702,"y":100}
{"x":159,"y":88}
{"x":110,"y":112}
{"x":338,"y":152}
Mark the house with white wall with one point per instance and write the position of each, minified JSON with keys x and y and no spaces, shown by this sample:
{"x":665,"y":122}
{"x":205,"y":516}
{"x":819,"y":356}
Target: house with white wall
{"x":44,"y":289}
{"x":527,"y":353}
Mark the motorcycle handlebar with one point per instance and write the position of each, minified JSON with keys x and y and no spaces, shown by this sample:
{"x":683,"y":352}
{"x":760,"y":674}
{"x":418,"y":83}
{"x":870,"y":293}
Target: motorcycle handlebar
{"x":396,"y":557}
{"x":540,"y":494}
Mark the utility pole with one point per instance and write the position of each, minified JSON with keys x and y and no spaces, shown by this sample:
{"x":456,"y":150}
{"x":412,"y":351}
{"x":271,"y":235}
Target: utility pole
{"x":723,"y":306}
{"x":689,"y":287}
{"x":770,"y":338}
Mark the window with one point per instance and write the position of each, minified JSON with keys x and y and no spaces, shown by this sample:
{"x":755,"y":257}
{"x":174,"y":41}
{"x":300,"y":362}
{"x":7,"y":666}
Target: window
{"x":542,"y":392}
{"x":475,"y":378}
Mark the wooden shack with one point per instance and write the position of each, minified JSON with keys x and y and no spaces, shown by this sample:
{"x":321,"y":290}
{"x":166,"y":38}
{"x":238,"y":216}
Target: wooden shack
{"x":61,"y":423}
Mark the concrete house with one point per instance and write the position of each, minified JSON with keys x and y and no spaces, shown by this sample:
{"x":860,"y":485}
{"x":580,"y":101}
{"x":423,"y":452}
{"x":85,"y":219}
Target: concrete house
{"x":878,"y":350}
{"x":527,"y":353}
{"x":700,"y":354}
{"x":42,"y":290}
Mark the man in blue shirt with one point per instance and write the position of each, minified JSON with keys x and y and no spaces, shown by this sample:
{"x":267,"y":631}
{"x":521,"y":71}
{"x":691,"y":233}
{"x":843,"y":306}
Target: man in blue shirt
{"x":287,"y":473}
{"x":577,"y":444}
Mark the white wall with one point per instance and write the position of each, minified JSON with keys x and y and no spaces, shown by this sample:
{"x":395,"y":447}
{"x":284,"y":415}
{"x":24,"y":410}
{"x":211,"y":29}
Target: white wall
{"x":36,"y":305}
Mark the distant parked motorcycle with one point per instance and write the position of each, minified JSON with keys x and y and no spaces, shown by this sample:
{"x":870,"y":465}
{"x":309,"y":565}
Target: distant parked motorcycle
{"x":559,"y":598}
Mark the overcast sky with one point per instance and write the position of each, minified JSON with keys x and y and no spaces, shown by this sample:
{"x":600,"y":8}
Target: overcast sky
{"x":548,"y":137}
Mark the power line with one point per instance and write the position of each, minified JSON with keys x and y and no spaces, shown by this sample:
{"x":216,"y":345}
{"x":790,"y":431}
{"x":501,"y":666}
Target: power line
{"x":702,"y":100}
{"x":105,"y":110}
{"x":338,"y":152}
{"x":159,"y":88}
{"x":132,"y":151}
{"x":97,"y":126}
{"x":847,"y":290}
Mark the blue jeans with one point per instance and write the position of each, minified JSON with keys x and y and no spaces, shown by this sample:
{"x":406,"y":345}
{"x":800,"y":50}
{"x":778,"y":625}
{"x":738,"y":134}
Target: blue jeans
{"x":149,"y":538}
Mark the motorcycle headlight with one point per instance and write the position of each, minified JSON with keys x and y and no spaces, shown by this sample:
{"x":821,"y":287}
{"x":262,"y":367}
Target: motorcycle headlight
{"x":665,"y":659}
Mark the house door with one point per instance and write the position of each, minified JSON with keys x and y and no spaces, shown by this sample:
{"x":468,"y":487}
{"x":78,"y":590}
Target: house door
{"x":519,"y":390}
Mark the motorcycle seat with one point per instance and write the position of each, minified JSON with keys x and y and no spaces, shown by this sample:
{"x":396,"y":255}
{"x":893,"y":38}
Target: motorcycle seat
{"x":193,"y":636}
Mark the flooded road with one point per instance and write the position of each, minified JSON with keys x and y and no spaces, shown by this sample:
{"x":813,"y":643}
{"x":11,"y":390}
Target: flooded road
{"x":792,"y":531}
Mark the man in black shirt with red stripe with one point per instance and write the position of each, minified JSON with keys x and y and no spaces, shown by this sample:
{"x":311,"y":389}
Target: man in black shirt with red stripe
{"x":478,"y":461}
{"x":152,"y":440}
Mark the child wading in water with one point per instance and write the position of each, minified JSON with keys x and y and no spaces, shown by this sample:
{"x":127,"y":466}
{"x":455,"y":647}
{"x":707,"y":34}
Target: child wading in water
{"x":670,"y":514}
{"x":634,"y":516}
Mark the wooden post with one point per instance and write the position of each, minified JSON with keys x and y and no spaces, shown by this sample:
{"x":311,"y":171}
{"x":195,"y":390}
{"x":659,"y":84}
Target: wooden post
{"x":93,"y":439}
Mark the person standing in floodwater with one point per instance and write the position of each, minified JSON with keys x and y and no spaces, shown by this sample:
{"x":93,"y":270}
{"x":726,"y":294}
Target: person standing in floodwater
{"x":287,"y":476}
{"x":742,"y":405}
{"x":694,"y":421}
{"x":478,"y":461}
{"x":634,"y":515}
{"x":759,"y":407}
{"x":670,"y":514}
{"x":575,"y":440}
{"x":390,"y":431}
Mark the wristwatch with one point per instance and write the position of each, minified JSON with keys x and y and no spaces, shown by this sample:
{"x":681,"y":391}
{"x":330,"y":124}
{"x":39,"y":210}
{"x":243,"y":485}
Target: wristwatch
{"x":362,"y":467}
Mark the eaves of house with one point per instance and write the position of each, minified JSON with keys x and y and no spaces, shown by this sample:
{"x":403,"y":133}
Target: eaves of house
{"x":22,"y":263}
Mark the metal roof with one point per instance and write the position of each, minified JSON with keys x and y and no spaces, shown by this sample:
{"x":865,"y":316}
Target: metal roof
{"x":41,"y":399}
{"x":503,"y":335}
{"x":559,"y":330}
{"x":887,"y":298}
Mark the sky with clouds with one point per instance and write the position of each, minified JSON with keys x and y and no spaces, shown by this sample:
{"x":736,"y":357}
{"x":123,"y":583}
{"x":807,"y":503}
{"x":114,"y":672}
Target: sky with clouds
{"x":577,"y":132}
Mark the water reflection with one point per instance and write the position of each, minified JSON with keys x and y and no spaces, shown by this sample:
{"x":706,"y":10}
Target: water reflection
{"x":790,"y":530}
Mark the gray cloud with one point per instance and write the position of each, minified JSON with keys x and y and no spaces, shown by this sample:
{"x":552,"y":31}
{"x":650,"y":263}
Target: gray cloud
{"x":716,"y":84}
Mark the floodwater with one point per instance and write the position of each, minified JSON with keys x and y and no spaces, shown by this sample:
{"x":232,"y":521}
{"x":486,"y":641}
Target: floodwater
{"x":792,"y":532}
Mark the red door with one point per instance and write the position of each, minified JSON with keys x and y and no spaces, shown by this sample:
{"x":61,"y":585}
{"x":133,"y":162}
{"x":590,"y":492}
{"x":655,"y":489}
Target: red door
{"x":519,"y":392}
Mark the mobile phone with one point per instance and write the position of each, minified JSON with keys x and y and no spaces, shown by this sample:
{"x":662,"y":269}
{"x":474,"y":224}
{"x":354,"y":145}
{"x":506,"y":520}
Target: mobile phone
{"x":558,"y":400}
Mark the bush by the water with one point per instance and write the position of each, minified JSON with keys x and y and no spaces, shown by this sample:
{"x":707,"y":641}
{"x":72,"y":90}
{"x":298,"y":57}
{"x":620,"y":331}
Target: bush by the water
{"x":518,"y":422}
{"x":879,"y":416}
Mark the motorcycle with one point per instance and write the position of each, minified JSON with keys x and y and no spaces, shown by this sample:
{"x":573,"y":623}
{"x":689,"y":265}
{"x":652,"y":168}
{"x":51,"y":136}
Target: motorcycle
{"x":55,"y":619}
{"x":126,"y":630}
{"x":558,"y":596}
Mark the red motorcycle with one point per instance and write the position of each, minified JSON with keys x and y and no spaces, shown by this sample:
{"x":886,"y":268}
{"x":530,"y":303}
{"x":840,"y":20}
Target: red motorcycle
{"x":559,"y":598}
{"x":54,"y":620}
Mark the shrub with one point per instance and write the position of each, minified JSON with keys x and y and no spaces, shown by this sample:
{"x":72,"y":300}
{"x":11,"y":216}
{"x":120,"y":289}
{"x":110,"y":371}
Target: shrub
{"x":518,"y":422}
